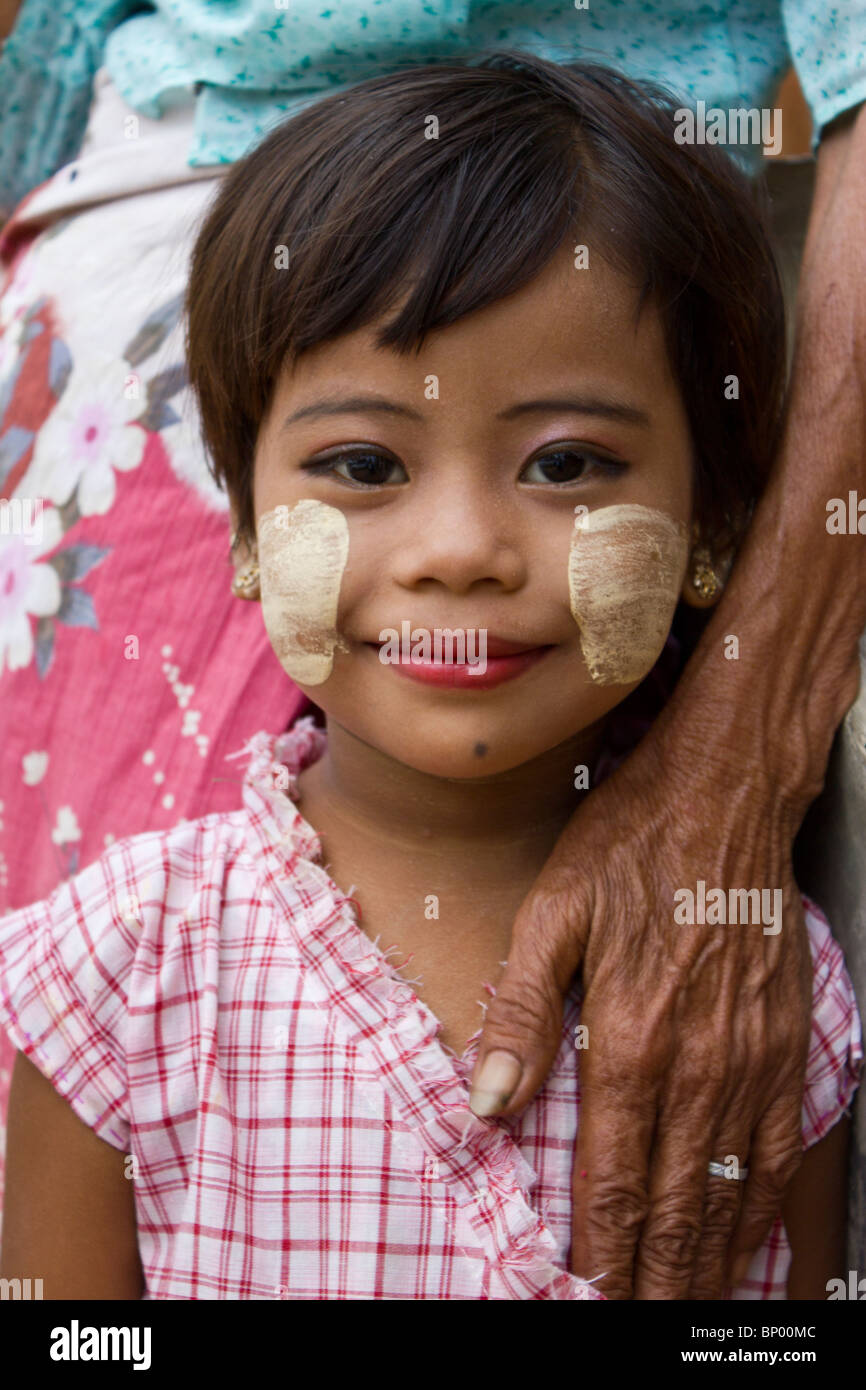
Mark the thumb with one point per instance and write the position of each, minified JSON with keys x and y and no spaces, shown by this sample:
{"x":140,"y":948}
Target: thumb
{"x":523,"y":1025}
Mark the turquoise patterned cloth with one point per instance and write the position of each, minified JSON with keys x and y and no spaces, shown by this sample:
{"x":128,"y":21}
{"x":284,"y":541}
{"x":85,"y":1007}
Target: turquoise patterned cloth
{"x":261,"y":60}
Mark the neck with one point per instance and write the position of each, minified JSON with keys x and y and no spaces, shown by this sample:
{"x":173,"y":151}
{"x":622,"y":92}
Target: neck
{"x":355,"y":790}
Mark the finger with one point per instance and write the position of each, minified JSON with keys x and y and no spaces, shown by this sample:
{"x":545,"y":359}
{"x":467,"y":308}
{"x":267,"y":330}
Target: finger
{"x":775,"y":1155}
{"x":523,"y":1023}
{"x":610,"y":1177}
{"x":723,"y":1203}
{"x":678,"y":1194}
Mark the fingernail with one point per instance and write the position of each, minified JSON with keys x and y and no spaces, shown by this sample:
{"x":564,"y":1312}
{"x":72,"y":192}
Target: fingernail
{"x":495,"y":1083}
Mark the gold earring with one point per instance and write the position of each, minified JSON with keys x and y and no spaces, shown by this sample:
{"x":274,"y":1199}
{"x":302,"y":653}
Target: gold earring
{"x":705,"y":581}
{"x":246,"y":584}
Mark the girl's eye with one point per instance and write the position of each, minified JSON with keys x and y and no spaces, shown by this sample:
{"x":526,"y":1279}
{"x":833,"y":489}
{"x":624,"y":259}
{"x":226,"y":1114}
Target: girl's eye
{"x":568,"y":466}
{"x":360,"y":469}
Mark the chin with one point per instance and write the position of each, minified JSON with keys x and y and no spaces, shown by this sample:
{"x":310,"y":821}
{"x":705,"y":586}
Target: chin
{"x":447,"y":738}
{"x":462,"y":765}
{"x":459,"y":754}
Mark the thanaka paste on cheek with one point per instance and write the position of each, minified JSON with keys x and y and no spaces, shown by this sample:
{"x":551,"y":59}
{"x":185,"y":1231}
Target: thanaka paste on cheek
{"x":302,"y":555}
{"x":626,"y":566}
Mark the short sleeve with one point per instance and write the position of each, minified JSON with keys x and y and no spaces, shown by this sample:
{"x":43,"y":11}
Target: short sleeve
{"x":828,"y":49}
{"x":836,"y":1047}
{"x":65,"y":964}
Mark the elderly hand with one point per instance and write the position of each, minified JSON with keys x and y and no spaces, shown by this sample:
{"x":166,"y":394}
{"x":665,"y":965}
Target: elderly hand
{"x":697,"y":1034}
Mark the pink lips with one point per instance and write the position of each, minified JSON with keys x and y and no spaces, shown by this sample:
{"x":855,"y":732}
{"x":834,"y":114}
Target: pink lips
{"x":505,"y":660}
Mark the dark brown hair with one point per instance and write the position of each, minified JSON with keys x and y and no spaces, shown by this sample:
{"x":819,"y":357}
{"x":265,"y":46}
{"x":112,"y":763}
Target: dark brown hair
{"x":528,"y":152}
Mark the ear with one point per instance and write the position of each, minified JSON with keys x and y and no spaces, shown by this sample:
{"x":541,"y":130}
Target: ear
{"x":241,"y":554}
{"x":242,"y":558}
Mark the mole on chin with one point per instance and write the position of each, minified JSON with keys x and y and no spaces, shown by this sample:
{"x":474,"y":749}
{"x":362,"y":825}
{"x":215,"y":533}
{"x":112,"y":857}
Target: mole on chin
{"x":480,"y":750}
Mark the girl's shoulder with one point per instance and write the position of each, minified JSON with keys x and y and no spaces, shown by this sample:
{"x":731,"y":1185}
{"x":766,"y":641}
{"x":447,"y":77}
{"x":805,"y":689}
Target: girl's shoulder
{"x":131,"y":883}
{"x":112,"y":945}
{"x":70,"y":962}
{"x":140,"y":879}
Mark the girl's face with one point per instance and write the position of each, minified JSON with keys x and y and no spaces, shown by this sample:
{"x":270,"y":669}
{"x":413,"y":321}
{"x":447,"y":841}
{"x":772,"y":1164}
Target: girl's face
{"x":443,"y":491}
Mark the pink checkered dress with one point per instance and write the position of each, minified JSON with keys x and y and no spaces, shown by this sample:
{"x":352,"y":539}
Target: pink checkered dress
{"x":206,"y":1001}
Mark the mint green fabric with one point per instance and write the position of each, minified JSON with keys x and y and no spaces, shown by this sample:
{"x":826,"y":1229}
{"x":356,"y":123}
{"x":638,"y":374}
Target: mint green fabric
{"x":261,"y":60}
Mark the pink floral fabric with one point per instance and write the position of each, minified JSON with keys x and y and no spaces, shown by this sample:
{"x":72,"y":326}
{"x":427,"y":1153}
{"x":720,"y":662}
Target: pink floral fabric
{"x":127,"y":668}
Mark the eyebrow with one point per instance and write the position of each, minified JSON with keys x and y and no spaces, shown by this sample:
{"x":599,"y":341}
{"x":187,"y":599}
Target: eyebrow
{"x":606,"y":407}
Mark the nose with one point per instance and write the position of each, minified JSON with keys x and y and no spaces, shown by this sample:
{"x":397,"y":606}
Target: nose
{"x":460,"y":538}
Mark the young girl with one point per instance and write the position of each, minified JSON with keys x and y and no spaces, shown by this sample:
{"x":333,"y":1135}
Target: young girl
{"x":481,"y":352}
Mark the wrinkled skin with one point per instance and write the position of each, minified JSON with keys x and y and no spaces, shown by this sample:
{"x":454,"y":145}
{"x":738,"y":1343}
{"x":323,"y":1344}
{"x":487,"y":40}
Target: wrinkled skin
{"x":730,"y":1006}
